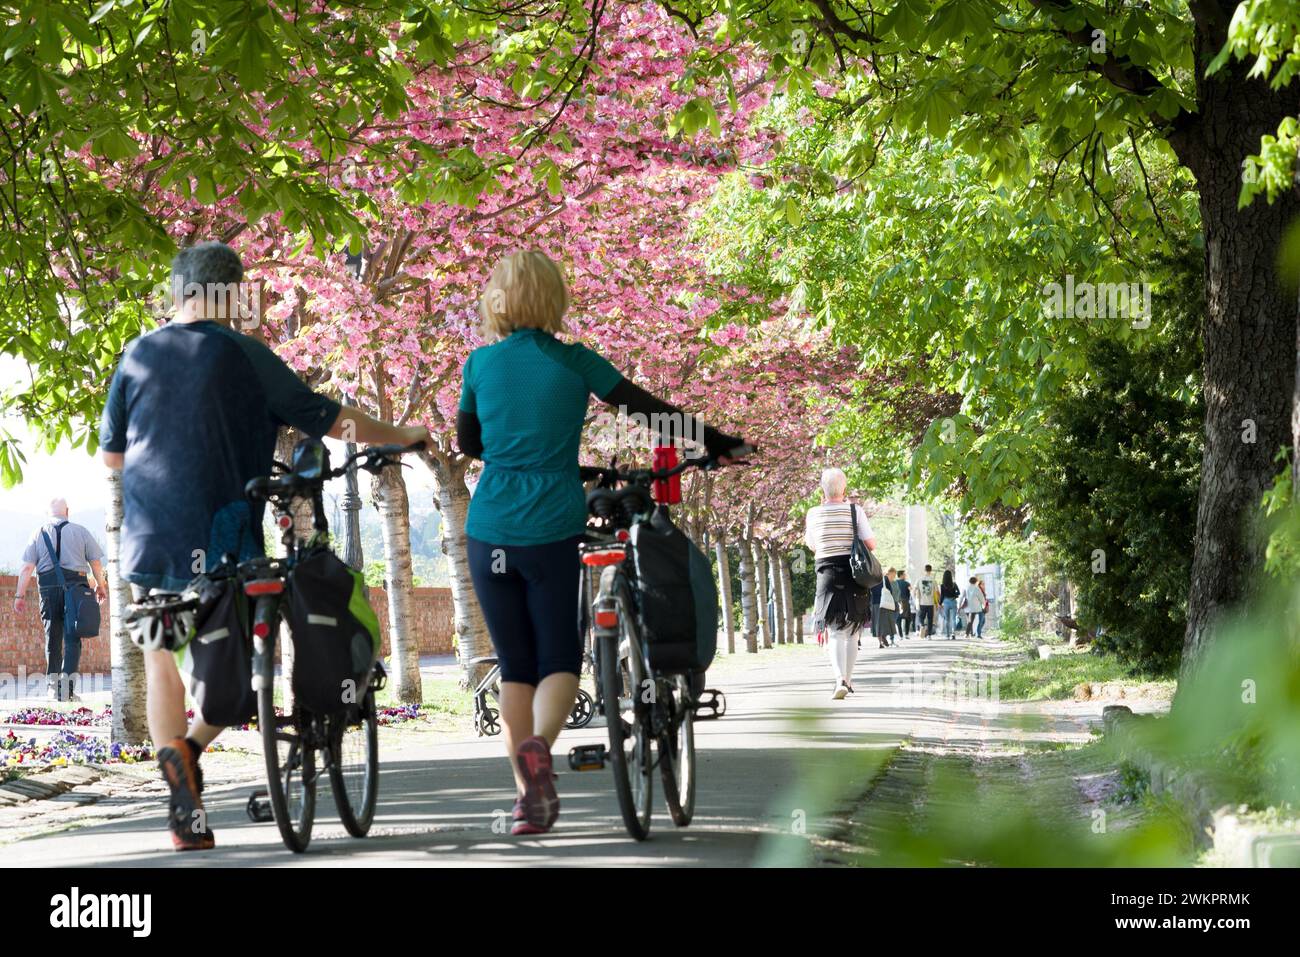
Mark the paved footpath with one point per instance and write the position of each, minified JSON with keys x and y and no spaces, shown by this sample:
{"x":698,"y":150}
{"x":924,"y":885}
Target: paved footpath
{"x":769,"y":772}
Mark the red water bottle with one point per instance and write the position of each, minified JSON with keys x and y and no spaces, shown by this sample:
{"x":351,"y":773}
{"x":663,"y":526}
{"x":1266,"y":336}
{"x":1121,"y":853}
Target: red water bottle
{"x":666,"y":491}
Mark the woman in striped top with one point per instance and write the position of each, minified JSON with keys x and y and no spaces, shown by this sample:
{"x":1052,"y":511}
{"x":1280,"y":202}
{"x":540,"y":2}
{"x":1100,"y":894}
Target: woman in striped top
{"x":841,"y":608}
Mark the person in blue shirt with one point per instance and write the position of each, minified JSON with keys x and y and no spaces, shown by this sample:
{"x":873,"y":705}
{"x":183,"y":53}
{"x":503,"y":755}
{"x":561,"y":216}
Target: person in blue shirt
{"x":522,"y":409}
{"x":75,"y":549}
{"x":192,"y":414}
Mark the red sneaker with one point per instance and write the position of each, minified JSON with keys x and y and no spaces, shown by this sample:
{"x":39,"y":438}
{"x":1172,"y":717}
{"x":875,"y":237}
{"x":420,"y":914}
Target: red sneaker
{"x":540,"y":804}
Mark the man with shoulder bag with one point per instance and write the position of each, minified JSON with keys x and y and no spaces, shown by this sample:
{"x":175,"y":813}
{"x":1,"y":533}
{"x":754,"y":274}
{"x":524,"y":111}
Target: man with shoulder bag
{"x":58,"y":554}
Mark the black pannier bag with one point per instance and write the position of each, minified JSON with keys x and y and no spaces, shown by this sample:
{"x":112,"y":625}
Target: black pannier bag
{"x":218,"y":654}
{"x":335,"y":633}
{"x":679,"y":601}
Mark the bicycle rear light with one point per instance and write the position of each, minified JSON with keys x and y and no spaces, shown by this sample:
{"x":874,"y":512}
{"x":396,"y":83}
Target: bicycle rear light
{"x":264,"y":586}
{"x":608,"y":556}
{"x":606,"y":619}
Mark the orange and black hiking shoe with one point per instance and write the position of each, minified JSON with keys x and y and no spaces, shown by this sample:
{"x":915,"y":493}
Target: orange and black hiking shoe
{"x":185,"y":814}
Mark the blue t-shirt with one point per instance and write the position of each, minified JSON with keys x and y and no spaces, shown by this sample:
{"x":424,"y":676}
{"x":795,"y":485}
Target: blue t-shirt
{"x":196,"y":407}
{"x":530,"y":394}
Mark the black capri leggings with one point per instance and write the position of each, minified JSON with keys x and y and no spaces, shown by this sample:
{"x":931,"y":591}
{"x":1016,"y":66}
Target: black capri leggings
{"x":529,"y":597}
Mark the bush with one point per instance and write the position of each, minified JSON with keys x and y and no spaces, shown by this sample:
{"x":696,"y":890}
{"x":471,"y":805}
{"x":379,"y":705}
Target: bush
{"x":1120,"y":488}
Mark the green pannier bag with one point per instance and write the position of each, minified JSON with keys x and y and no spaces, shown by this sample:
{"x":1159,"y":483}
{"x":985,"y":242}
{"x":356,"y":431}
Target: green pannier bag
{"x":335,"y":632}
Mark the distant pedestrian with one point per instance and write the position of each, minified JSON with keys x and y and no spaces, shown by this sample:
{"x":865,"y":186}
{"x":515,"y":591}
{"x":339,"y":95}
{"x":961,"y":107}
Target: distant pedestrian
{"x":983,"y":614}
{"x":841,"y":608}
{"x":972,"y":604}
{"x":76,"y":549}
{"x":906,"y":615}
{"x":926,"y":589}
{"x":948,"y":595}
{"x":876,"y":591}
{"x":889,"y":607}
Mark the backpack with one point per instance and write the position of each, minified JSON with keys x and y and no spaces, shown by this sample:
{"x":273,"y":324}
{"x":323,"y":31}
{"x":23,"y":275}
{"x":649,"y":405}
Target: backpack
{"x":218,"y":654}
{"x":677,"y":597}
{"x":336,"y":635}
{"x":80,"y":607}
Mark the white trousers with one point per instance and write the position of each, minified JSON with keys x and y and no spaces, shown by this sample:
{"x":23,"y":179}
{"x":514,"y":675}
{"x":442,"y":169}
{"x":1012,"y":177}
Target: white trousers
{"x":842,"y":647}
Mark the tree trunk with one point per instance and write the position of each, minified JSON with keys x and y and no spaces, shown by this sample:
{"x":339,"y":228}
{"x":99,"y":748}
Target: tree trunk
{"x":451,"y":496}
{"x":748,"y":598}
{"x":389,"y":492}
{"x":1295,"y":422}
{"x":1250,"y":328}
{"x":783,"y":637}
{"x":130,"y":722}
{"x":788,"y":587}
{"x":760,"y":570}
{"x":724,"y":589}
{"x":1064,"y":608}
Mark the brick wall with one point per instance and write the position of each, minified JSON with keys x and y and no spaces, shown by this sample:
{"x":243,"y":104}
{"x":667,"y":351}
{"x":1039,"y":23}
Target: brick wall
{"x":432,"y":619}
{"x":22,"y":641}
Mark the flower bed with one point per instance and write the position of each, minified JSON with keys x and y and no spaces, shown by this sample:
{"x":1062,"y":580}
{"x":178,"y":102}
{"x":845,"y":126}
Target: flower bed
{"x":44,"y":717}
{"x":67,"y":747}
{"x":399,"y":714}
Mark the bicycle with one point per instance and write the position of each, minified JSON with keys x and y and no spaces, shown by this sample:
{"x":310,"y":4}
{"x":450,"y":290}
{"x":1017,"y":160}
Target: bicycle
{"x":650,"y":715}
{"x":348,"y":741}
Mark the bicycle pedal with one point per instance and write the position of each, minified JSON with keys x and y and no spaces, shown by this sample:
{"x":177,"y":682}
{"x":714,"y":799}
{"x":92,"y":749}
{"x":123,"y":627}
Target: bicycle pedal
{"x":710,"y":705}
{"x":588,"y":757}
{"x":259,"y":807}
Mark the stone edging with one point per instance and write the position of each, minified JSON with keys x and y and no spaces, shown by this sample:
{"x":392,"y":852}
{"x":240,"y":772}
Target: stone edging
{"x":1233,"y":837}
{"x":47,"y":784}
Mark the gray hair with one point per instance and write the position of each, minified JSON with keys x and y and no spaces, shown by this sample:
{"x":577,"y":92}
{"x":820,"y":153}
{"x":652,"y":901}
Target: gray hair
{"x":834,"y":483}
{"x":210,"y":270}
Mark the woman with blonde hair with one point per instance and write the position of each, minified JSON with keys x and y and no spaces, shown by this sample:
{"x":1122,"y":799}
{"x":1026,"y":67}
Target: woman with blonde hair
{"x":841,"y":608}
{"x":523,"y":405}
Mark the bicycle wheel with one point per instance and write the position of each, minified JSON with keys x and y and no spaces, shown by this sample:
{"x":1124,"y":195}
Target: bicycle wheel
{"x":677,"y":755}
{"x":290,"y":758}
{"x":354,"y":765}
{"x":580,"y":715}
{"x":621,"y":677}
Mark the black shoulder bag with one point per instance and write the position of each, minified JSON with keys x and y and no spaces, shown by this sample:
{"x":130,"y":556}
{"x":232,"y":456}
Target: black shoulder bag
{"x":80,"y":609}
{"x":865,"y":567}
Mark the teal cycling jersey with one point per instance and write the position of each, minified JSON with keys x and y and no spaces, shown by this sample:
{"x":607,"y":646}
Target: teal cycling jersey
{"x":530,"y":392}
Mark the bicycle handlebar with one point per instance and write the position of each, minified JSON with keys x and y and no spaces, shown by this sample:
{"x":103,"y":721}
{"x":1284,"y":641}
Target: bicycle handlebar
{"x":377,"y":457}
{"x":372,"y":459}
{"x":612,"y":474}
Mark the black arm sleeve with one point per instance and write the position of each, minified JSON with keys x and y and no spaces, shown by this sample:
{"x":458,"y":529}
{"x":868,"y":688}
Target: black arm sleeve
{"x":632,"y":398}
{"x":469,"y":434}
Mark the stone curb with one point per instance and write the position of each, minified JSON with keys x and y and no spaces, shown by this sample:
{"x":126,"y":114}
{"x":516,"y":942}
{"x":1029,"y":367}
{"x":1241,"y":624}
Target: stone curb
{"x":1225,"y":830}
{"x":1190,"y":789}
{"x":47,"y":784}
